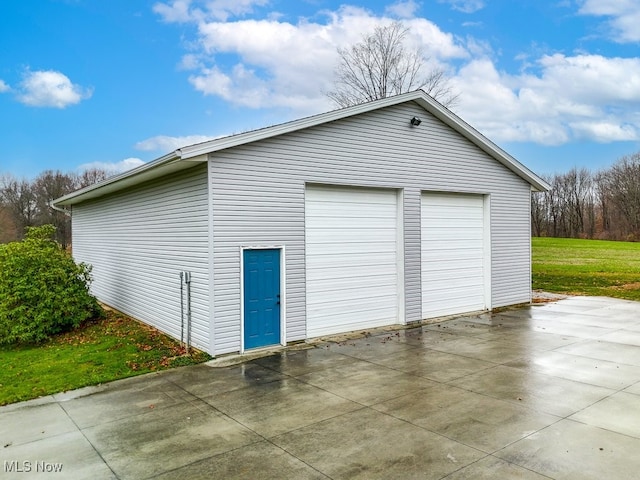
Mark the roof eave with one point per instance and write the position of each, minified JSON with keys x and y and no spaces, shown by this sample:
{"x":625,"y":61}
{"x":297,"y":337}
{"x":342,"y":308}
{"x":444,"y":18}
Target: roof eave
{"x":149,"y":171}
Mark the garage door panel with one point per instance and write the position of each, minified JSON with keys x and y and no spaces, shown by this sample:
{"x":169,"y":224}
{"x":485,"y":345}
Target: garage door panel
{"x":365,"y":287}
{"x":463,"y":260}
{"x":444,"y":213}
{"x":360,"y":211}
{"x":467,"y":228}
{"x":456,"y":288}
{"x":382,"y":260}
{"x":453,"y":254}
{"x":470,"y":276}
{"x":351,"y":259}
{"x":453,"y":245}
{"x":347,"y":244}
{"x":356,"y":278}
{"x":351,"y":305}
{"x":466,"y":295}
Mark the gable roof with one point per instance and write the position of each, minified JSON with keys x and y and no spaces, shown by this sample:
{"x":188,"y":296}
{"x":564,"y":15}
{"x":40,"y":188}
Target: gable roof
{"x":186,"y":157}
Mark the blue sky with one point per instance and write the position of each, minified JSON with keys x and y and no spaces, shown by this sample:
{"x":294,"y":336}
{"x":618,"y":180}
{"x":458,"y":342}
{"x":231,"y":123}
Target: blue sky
{"x":116,"y":83}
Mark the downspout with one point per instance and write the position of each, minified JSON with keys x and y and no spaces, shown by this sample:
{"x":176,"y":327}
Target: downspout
{"x":185,"y":280}
{"x":58,"y":209}
{"x":182,"y":309}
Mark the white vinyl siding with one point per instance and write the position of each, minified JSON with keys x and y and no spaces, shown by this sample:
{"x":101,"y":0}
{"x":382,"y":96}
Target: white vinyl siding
{"x":138,"y":242}
{"x":351,"y":259}
{"x":453,"y":254}
{"x":258,"y":199}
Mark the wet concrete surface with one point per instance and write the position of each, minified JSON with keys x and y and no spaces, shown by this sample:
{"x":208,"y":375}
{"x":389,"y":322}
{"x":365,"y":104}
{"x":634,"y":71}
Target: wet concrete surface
{"x":546,"y":391}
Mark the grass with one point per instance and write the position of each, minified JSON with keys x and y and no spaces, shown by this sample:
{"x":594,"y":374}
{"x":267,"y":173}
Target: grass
{"x":97,"y":352}
{"x":587,"y":267}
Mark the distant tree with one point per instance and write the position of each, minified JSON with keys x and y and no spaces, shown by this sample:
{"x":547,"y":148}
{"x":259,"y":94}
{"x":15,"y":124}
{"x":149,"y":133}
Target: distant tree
{"x":19,"y":200}
{"x":538,"y":213}
{"x":603,"y":205}
{"x":8,"y":230}
{"x":381,"y":65}
{"x":623,"y":184}
{"x":91,"y":176}
{"x":48,"y":186}
{"x":25,"y":203}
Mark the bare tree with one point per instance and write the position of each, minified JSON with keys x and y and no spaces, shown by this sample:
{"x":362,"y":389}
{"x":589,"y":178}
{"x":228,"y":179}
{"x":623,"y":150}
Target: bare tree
{"x":19,"y":201}
{"x":381,"y":66}
{"x":604,"y":205}
{"x":8,"y":229}
{"x":624,"y":188}
{"x":26,"y":203}
{"x":48,"y":186}
{"x":91,"y":176}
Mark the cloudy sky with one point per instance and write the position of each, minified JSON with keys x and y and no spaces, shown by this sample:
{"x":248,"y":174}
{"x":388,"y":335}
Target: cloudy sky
{"x":115,"y":83}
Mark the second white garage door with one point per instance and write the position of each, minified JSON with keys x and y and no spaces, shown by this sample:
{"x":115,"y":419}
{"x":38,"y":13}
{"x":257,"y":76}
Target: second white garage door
{"x":351,"y":259}
{"x":454,"y":254}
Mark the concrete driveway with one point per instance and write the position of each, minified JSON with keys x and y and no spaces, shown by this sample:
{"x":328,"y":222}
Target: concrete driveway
{"x":549,"y":391}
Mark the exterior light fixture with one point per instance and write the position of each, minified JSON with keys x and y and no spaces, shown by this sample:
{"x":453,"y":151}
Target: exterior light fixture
{"x":415,"y":121}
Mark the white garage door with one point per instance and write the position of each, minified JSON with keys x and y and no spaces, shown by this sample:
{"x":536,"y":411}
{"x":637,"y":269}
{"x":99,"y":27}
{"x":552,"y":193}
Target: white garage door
{"x":453,"y":254}
{"x":351,"y":259}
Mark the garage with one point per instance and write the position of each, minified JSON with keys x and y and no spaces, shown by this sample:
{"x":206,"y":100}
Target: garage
{"x":352,"y":267}
{"x":323,"y":225}
{"x":454,"y":239}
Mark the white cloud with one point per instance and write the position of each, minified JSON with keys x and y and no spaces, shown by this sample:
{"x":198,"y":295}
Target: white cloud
{"x":403,"y":9}
{"x":168,"y":144}
{"x":48,"y":88}
{"x":624,"y":17}
{"x":571,"y":98}
{"x":465,"y":6}
{"x":604,"y":131}
{"x":272,"y":63}
{"x":280,"y":64}
{"x":223,"y":9}
{"x":183,"y":11}
{"x":4,"y":87}
{"x":113,"y":167}
{"x":177,"y":11}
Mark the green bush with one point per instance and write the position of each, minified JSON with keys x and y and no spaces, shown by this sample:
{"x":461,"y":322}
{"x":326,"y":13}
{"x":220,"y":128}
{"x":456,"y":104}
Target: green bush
{"x":42,"y":290}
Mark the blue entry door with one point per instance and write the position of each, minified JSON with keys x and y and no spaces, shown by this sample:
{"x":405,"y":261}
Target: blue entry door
{"x":261,"y":298}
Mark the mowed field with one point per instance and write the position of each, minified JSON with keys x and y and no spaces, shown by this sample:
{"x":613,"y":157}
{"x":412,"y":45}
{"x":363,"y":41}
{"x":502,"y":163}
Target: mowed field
{"x":586,"y":267}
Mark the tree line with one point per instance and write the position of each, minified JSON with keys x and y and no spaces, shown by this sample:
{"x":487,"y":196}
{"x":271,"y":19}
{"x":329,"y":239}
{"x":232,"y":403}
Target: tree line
{"x":583,"y":204}
{"x":580,"y":204}
{"x":27,"y":203}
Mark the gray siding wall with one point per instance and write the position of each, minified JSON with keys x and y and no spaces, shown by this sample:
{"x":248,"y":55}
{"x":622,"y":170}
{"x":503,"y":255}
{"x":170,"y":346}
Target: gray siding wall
{"x":138,"y":242}
{"x":258,"y":200}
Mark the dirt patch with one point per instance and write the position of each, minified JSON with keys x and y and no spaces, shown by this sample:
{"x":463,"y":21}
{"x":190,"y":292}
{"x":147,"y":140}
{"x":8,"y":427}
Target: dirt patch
{"x":626,"y":286}
{"x":545,"y":297}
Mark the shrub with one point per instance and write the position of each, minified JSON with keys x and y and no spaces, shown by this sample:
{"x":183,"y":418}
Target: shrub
{"x":42,"y":290}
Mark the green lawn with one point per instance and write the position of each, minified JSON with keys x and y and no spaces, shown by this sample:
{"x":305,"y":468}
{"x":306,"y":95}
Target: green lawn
{"x":587,"y":267}
{"x":99,"y":351}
